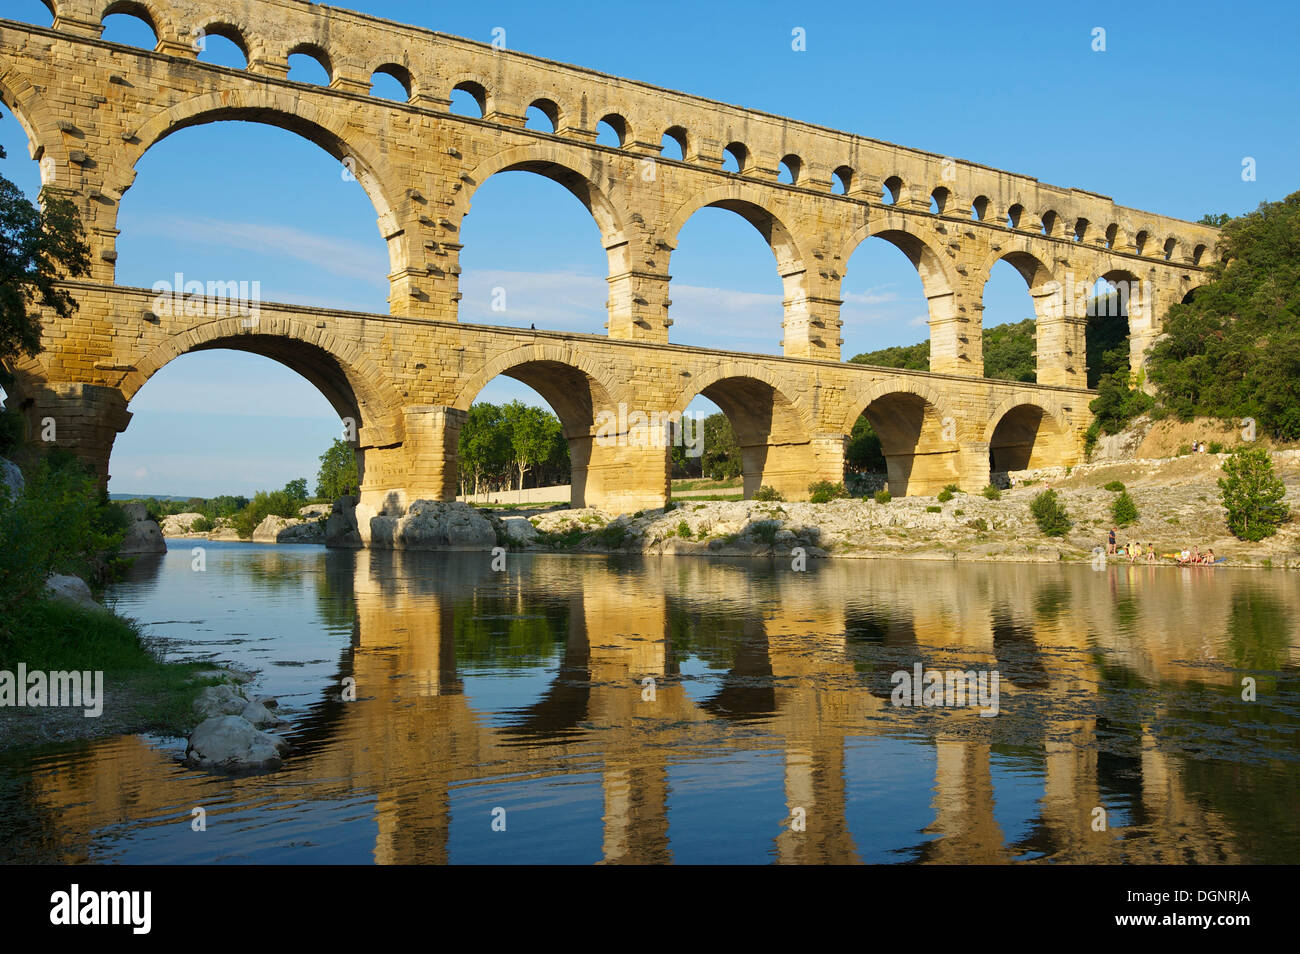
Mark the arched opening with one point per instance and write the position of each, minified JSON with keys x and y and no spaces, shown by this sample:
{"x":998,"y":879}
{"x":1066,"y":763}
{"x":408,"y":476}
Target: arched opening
{"x":543,"y":115}
{"x":979,"y":208}
{"x":725,"y":292}
{"x":392,"y":81}
{"x":674,"y":144}
{"x":887,"y":299}
{"x":509,"y":278}
{"x":1112,"y":233}
{"x":130,"y":24}
{"x":1013,"y":215}
{"x":1171,"y":246}
{"x":512,"y":446}
{"x":36,"y":12}
{"x":1080,"y":230}
{"x":1010,"y":316}
{"x":1140,"y":242}
{"x":1051,"y":223}
{"x":1112,"y":302}
{"x":791,"y":167}
{"x":735,"y":158}
{"x":469,"y":99}
{"x":841,"y":180}
{"x":900,"y":439}
{"x":612,"y":131}
{"x":221,"y":44}
{"x":237,"y":416}
{"x":1025,"y":437}
{"x":892,"y":191}
{"x":763,"y":441}
{"x":1198,"y":254}
{"x":17,"y":166}
{"x":561,"y":434}
{"x":310,"y":64}
{"x":271,"y":237}
{"x":939,"y":199}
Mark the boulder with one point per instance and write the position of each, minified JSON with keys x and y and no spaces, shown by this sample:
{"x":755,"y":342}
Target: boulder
{"x":256,"y":713}
{"x":519,"y":530}
{"x":70,"y":589}
{"x":143,"y":535}
{"x":11,"y":478}
{"x":433,"y":525}
{"x":178,"y":523}
{"x":315,"y":511}
{"x":341,"y":528}
{"x":232,"y":743}
{"x":218,"y":701}
{"x":288,"y":530}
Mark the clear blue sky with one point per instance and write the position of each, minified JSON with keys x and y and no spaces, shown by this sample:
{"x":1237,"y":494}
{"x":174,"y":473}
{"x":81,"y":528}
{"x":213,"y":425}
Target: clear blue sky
{"x":1160,"y":120}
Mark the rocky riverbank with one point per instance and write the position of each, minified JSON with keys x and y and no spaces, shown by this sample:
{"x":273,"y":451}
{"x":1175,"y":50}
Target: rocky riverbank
{"x":1177,"y":499}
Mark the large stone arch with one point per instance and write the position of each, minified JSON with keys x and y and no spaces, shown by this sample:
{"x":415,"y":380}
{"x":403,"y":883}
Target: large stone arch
{"x":557,"y":164}
{"x":580,"y":393}
{"x":44,"y":140}
{"x":1025,"y":431}
{"x":773,"y":431}
{"x":286,"y":110}
{"x":917,"y":431}
{"x":751,"y":204}
{"x":336,"y":366}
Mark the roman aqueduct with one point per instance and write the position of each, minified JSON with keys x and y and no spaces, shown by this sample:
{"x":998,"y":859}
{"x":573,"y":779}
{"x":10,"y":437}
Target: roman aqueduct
{"x":91,"y":109}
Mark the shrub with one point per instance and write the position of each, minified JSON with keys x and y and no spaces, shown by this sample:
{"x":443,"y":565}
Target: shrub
{"x":684,"y":530}
{"x":823,"y":491}
{"x":948,"y":492}
{"x":1123,"y":511}
{"x":11,"y":430}
{"x":979,"y":524}
{"x":202,"y":525}
{"x":1216,"y":447}
{"x":613,"y":534}
{"x":992,"y":493}
{"x":1115,"y":487}
{"x":1050,"y":514}
{"x":883,"y":496}
{"x":1184,"y":450}
{"x":933,"y":509}
{"x":765,"y":530}
{"x":768,"y":493}
{"x":1252,"y":495}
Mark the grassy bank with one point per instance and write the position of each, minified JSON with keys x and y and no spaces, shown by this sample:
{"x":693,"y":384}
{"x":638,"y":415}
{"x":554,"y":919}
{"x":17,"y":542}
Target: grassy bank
{"x":143,"y":692}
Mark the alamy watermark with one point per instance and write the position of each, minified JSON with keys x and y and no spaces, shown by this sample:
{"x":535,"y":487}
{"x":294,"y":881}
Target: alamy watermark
{"x":951,"y":687}
{"x":625,"y":428}
{"x":38,"y":689}
{"x":215,"y":299}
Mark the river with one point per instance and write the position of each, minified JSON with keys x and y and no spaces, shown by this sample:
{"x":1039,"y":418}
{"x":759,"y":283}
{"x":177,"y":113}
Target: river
{"x":580,"y":709}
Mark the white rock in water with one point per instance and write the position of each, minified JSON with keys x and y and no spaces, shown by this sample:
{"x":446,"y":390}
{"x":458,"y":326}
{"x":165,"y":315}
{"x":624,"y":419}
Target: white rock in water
{"x":287,"y":530}
{"x":519,"y":530}
{"x":218,"y":701}
{"x":433,"y":525}
{"x":70,"y":589}
{"x":258,"y":714}
{"x":11,"y":478}
{"x":143,"y":535}
{"x":232,"y":743}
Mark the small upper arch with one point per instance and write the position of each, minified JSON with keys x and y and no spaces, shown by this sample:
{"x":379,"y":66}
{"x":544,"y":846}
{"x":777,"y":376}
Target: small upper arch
{"x":401,"y":74}
{"x":314,"y":51}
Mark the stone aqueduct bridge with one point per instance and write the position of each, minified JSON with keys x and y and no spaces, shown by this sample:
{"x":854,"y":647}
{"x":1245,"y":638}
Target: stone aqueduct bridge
{"x":91,"y":109}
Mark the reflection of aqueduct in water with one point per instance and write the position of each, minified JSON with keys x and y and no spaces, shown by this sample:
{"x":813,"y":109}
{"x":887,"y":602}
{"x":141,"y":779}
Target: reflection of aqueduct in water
{"x":416,"y":737}
{"x":92,"y":109}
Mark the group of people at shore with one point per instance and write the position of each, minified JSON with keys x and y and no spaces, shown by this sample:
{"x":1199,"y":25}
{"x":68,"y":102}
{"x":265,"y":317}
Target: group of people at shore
{"x":1135,"y":552}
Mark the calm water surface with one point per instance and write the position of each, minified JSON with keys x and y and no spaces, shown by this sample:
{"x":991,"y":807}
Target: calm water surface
{"x":692,"y":710}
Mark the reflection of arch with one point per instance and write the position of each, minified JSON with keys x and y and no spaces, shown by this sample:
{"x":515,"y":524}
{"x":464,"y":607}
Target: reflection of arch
{"x":283,"y":109}
{"x":338,"y":368}
{"x":555,"y":164}
{"x":1022,"y":433}
{"x":917,"y":434}
{"x":747,"y":202}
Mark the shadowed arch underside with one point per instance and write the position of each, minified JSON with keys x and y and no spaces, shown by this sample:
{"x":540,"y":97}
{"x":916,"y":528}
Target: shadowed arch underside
{"x":921,"y":454}
{"x":1026,"y":436}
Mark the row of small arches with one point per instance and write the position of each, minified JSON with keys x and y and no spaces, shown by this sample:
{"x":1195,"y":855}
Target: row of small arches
{"x":224,"y":44}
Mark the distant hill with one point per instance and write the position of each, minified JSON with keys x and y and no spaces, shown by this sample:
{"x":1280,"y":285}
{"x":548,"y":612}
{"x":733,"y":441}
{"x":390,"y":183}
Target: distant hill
{"x":148,"y":497}
{"x":1008,"y":353}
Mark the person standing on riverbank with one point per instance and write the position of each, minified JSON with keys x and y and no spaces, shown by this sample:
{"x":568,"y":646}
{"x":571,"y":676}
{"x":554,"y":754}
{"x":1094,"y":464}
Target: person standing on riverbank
{"x":1110,"y":541}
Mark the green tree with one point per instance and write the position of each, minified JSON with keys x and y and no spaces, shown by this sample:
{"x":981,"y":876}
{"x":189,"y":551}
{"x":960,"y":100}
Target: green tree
{"x":1009,"y":351}
{"x":485,"y":452}
{"x":1252,"y":494}
{"x":1233,"y":349}
{"x":1050,"y":514}
{"x":534,"y":436}
{"x":38,"y":247}
{"x":864,"y":453}
{"x":337,"y":476}
{"x":721,"y":458}
{"x":296,"y":489}
{"x":1123,"y":511}
{"x":908,"y":357}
